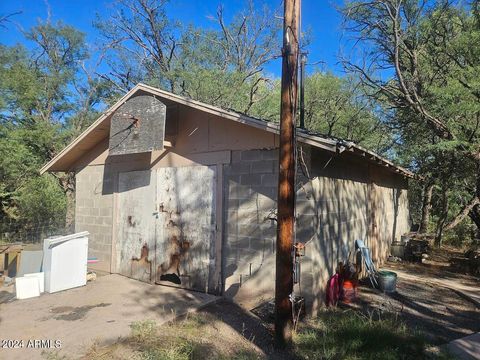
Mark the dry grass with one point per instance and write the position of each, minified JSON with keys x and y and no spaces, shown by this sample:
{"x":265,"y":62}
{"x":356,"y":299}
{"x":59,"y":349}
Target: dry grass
{"x":198,"y":336}
{"x":334,"y":334}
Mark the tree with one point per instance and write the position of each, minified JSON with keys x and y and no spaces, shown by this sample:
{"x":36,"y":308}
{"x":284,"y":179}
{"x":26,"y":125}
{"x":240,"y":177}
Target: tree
{"x":46,"y":100}
{"x":336,"y":107}
{"x":422,"y":59}
{"x":224,"y":66}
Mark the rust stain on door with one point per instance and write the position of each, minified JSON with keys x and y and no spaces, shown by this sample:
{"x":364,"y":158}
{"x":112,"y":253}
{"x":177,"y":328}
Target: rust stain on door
{"x":141,"y":268}
{"x":166,"y":226}
{"x":170,"y":270}
{"x":186,"y":226}
{"x":136,"y":225}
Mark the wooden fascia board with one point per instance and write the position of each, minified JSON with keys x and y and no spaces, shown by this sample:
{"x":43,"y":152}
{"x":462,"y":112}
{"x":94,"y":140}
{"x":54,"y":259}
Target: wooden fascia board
{"x":319,"y":142}
{"x":383,"y":162}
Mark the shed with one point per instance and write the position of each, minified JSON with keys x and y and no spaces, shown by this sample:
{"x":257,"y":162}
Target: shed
{"x":175,"y":191}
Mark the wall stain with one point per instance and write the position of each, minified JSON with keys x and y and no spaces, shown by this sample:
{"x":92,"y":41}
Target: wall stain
{"x":170,"y":271}
{"x":141,"y":268}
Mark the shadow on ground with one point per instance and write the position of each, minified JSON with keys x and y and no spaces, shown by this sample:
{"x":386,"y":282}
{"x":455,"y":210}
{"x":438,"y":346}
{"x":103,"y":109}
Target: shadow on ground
{"x":248,"y":326}
{"x":438,"y":312}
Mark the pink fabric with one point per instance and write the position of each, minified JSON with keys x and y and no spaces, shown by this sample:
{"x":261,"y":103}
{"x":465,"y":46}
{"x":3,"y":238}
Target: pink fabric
{"x":333,"y":290}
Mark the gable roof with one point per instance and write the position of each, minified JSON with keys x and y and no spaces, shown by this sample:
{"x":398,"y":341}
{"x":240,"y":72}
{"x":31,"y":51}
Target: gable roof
{"x":100,"y":129}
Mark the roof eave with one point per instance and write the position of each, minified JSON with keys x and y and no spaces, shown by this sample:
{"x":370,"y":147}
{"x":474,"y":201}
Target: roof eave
{"x":310,"y":139}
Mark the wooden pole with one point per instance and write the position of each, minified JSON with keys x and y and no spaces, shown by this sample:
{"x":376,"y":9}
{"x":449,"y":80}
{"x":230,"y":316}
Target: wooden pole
{"x":286,"y":176}
{"x":303,"y":60}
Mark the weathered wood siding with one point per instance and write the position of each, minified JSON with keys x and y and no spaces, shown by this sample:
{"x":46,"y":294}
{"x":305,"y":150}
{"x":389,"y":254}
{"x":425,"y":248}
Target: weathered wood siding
{"x":137,"y":126}
{"x":135,"y":224}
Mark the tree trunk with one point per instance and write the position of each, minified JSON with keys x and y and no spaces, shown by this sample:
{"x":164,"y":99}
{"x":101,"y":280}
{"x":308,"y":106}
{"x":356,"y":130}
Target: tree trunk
{"x":475,"y":211}
{"x":70,"y":215}
{"x":474,"y":214}
{"x":67,"y":182}
{"x":442,"y":219}
{"x":426,"y":207}
{"x":467,"y":209}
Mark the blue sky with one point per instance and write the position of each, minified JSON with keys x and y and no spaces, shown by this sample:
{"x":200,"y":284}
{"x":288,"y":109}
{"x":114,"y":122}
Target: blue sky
{"x":318,"y":15}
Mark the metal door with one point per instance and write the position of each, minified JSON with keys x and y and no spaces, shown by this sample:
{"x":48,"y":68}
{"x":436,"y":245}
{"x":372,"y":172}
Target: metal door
{"x":185,"y":226}
{"x":136,"y":218}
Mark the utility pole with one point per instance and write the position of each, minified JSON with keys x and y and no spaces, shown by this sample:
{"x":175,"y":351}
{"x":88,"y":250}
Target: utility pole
{"x":303,"y":60}
{"x":286,"y":176}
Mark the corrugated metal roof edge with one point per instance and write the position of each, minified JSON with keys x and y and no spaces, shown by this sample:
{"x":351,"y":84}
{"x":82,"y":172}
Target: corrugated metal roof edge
{"x":318,"y":140}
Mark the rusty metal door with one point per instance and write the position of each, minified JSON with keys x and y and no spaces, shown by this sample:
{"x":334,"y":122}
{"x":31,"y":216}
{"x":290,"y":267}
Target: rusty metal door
{"x":135,"y":247}
{"x":186,"y":226}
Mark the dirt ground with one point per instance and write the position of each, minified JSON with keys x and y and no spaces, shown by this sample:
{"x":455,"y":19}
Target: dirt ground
{"x":221,"y":330}
{"x":438,"y":265}
{"x":100,"y":312}
{"x":441,"y":304}
{"x":439,"y":312}
{"x":430,"y":296}
{"x":248,"y":326}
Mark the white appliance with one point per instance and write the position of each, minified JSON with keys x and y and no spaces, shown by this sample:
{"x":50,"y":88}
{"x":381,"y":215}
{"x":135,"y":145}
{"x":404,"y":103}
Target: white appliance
{"x":65,"y":261}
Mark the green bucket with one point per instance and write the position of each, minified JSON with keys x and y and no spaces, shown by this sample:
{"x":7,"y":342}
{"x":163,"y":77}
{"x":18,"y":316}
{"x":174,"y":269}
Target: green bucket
{"x":387,"y":280}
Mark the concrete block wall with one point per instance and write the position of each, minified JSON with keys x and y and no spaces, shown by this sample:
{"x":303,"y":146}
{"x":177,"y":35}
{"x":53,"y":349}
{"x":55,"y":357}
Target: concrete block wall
{"x":339,"y":218}
{"x":335,"y":210}
{"x":332,"y":211}
{"x":250,"y":192}
{"x":94,"y":212}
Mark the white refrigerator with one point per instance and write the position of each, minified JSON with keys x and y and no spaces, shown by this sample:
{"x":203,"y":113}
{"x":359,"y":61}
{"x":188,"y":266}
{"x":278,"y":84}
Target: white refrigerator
{"x":65,"y":261}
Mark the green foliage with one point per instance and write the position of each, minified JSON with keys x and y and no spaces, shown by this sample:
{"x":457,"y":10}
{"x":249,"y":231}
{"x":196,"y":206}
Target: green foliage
{"x":415,"y":200}
{"x":45,"y":103}
{"x":143,"y":329}
{"x":462,"y":236}
{"x":18,"y":81}
{"x":181,"y":351}
{"x":335,"y":106}
{"x":23,"y":150}
{"x":222,"y":65}
{"x":40,"y":200}
{"x":427,"y":58}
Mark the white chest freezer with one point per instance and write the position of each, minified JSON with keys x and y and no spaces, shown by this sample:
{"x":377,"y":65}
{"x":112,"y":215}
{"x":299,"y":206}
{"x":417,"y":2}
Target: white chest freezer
{"x":65,"y":261}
